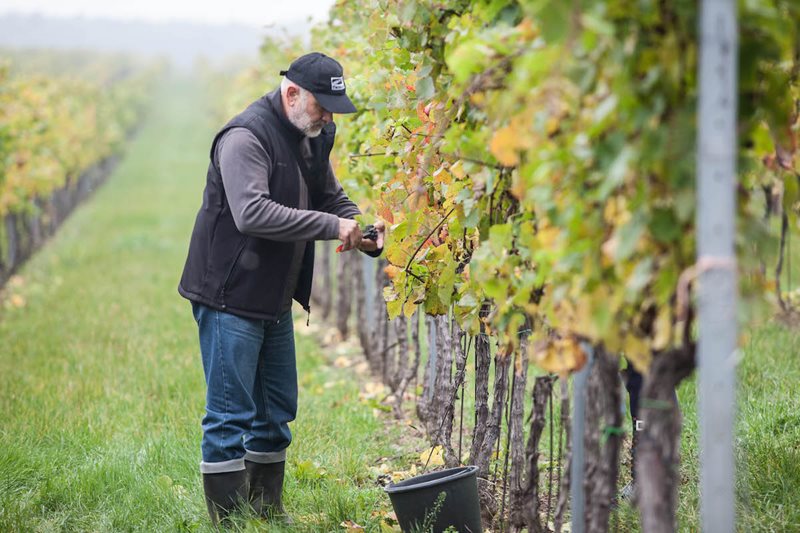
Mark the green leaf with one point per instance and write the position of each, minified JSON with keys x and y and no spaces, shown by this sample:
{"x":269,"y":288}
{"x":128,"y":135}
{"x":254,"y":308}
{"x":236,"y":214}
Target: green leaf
{"x":641,"y":276}
{"x":664,"y":225}
{"x":616,"y":172}
{"x":447,"y":280}
{"x":468,"y":59}
{"x":555,"y":17}
{"x":500,"y":238}
{"x":629,"y":235}
{"x":425,"y":88}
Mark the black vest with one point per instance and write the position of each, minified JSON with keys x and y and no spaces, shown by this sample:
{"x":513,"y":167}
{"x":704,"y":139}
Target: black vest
{"x":246,"y":275}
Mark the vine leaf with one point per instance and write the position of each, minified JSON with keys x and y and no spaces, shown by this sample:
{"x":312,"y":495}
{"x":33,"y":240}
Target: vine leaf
{"x":504,"y":146}
{"x":559,"y":356}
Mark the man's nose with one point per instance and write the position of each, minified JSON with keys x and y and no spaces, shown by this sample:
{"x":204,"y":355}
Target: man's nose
{"x":327,"y":116}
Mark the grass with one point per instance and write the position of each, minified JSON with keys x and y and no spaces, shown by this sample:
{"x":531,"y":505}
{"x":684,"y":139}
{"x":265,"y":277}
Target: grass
{"x":767,"y":445}
{"x":101,"y":386}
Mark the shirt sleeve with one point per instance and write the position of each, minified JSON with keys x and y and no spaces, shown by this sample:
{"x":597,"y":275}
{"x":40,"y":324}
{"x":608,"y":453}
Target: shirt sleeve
{"x":245,"y":167}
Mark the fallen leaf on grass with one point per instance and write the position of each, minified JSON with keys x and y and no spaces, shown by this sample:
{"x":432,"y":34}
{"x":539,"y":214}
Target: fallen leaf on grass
{"x":313,"y":518}
{"x":331,"y":337}
{"x":433,"y":456}
{"x":386,"y":527}
{"x":388,"y":521}
{"x":372,"y":389}
{"x":385,"y":474}
{"x":342,"y":349}
{"x":388,"y":515}
{"x":341,"y":362}
{"x":400,"y":475}
{"x":351,"y":527}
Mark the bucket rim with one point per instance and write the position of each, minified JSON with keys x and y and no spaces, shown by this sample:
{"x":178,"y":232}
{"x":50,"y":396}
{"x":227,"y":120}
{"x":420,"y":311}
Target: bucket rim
{"x":458,"y":472}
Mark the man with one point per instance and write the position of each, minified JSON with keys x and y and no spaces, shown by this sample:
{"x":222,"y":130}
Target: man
{"x":270,"y":193}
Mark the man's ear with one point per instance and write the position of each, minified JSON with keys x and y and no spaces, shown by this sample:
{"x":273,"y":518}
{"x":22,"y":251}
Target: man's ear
{"x":292,"y":93}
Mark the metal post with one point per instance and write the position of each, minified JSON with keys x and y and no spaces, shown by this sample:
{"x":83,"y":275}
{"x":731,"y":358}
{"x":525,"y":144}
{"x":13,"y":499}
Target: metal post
{"x":577,"y":496}
{"x":716,"y":262}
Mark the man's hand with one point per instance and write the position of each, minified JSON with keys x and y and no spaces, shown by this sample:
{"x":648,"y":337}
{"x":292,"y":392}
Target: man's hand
{"x":368,"y":245}
{"x":349,"y":234}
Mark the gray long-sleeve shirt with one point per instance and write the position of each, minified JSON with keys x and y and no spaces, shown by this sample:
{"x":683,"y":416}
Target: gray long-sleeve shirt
{"x":245,"y":169}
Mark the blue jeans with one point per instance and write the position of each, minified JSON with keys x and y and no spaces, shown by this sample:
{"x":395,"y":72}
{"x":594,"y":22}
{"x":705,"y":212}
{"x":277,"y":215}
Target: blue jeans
{"x":251,"y":381}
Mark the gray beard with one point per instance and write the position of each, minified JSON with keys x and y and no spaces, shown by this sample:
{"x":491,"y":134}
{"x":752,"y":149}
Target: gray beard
{"x":302,"y":121}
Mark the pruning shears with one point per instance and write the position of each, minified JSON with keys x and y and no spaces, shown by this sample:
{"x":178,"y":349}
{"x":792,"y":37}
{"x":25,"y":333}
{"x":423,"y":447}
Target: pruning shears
{"x":370,"y":233}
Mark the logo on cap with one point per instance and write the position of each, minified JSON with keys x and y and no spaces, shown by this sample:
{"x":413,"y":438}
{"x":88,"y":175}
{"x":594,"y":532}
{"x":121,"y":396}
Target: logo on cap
{"x":337,"y":83}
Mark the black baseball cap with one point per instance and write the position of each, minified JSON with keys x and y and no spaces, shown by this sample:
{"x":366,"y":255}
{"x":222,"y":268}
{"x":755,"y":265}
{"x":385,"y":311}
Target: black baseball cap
{"x":323,"y":77}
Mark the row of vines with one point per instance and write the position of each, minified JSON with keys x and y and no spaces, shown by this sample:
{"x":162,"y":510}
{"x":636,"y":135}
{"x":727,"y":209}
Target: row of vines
{"x":63,"y":118}
{"x":535,"y":164}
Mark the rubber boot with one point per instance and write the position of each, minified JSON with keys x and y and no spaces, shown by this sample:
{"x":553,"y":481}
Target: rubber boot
{"x":224,"y":492}
{"x":266,"y":488}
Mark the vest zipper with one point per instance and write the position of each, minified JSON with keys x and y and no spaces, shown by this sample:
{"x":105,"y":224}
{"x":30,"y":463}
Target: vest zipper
{"x":308,"y":310}
{"x":230,"y":271}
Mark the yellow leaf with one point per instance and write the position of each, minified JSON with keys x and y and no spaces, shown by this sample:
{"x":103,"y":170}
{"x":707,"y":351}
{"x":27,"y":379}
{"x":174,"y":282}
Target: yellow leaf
{"x":396,"y":255}
{"x":372,"y":389}
{"x":408,"y":308}
{"x":637,"y":351}
{"x":663,"y":329}
{"x":504,"y":146}
{"x":391,"y":271}
{"x":17,"y":300}
{"x":436,"y":455}
{"x":609,"y":249}
{"x":351,"y":527}
{"x":616,"y":211}
{"x":547,"y":236}
{"x":560,"y":356}
{"x":477,"y":99}
{"x":442,"y":176}
{"x":519,"y":186}
{"x":552,"y":125}
{"x":388,"y":528}
{"x":457,"y":169}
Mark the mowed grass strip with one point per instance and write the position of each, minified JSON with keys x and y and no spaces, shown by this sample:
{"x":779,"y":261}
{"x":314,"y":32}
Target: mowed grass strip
{"x":101,"y":385}
{"x":767,"y":439}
